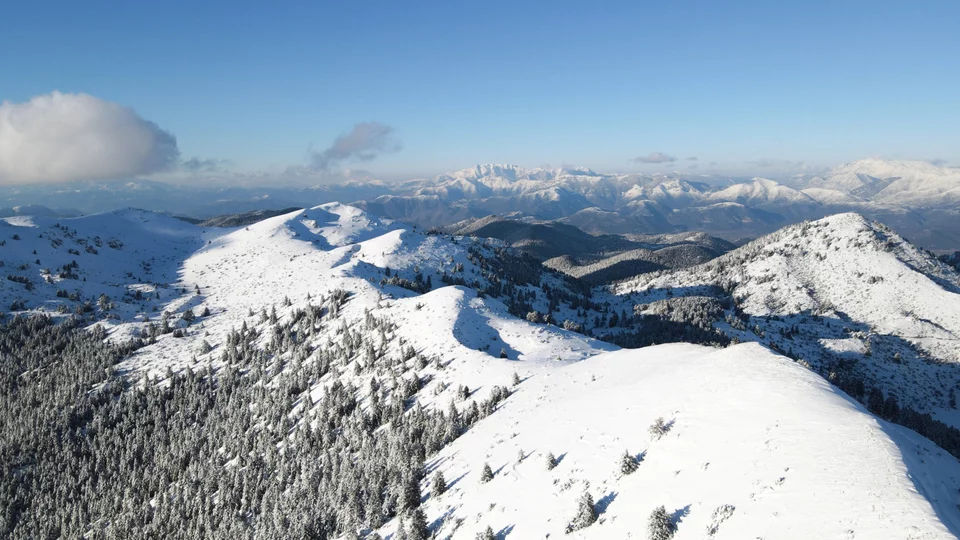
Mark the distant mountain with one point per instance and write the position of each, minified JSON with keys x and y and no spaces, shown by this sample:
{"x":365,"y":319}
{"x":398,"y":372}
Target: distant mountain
{"x":36,"y":210}
{"x":918,"y":200}
{"x":911,"y":184}
{"x":542,"y":239}
{"x":246,"y":218}
{"x":594,"y":258}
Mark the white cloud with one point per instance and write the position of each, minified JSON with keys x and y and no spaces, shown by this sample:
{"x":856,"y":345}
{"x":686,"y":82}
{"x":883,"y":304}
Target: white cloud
{"x":62,"y":137}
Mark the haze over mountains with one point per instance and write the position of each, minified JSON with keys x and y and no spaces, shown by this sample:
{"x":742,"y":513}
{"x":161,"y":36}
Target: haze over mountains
{"x":917,"y":199}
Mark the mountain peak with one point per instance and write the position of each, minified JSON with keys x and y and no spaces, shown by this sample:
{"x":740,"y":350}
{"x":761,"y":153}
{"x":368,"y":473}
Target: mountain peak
{"x":888,"y":168}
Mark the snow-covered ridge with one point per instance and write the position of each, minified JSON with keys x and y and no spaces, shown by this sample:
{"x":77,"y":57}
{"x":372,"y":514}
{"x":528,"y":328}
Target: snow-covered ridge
{"x":747,"y":428}
{"x":749,"y":431}
{"x":842,"y":262}
{"x":843,"y":294}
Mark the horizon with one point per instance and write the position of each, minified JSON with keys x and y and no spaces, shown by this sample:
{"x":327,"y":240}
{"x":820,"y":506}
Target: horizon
{"x":303,"y":95}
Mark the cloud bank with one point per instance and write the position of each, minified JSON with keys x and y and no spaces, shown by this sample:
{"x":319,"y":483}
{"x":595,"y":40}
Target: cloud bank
{"x":364,"y":142}
{"x":655,"y":157}
{"x":61,"y":137}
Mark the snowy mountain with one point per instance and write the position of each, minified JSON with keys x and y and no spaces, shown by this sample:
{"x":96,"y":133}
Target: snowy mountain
{"x":917,"y":199}
{"x":328,"y":372}
{"x":911,"y":184}
{"x":848,"y":296}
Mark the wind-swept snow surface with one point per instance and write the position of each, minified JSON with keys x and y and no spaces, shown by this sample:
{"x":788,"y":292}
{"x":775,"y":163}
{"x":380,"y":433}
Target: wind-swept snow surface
{"x":784,"y":453}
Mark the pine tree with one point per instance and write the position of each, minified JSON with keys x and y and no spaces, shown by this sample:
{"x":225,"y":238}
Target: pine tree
{"x":417,"y":526}
{"x":516,"y":378}
{"x":487,"y":534}
{"x":439,"y":484}
{"x":875,"y":402}
{"x":891,"y":409}
{"x":659,"y":428}
{"x":628,"y":463}
{"x":660,"y":527}
{"x":503,"y":353}
{"x":486,"y":474}
{"x":586,"y":513}
{"x":551,"y":461}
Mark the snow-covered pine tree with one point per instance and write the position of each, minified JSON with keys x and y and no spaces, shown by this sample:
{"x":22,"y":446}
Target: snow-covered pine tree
{"x":439,"y":484}
{"x":486,"y":474}
{"x":658,"y":429}
{"x":486,"y":534}
{"x":659,"y":527}
{"x":417,"y":526}
{"x":586,"y":513}
{"x":551,"y":461}
{"x":628,"y":463}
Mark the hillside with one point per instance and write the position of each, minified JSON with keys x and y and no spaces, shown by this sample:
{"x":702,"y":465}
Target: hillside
{"x":594,"y":259}
{"x":748,"y":454}
{"x":848,"y":296}
{"x":375,"y":356}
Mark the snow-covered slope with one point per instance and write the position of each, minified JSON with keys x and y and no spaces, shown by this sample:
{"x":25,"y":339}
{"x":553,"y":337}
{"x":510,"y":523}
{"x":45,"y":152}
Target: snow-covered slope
{"x":748,"y":428}
{"x":785,"y":453}
{"x":914,"y":184}
{"x":843,"y":294}
{"x":763,"y":193}
{"x":840,"y":263}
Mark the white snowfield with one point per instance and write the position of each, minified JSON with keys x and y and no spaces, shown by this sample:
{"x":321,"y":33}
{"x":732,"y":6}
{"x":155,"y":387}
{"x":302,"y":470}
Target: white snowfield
{"x":792,"y":456}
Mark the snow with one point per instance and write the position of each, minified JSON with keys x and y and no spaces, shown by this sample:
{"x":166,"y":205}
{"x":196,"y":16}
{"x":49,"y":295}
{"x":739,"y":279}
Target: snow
{"x":762,"y":192}
{"x":796,"y":458}
{"x":915,"y":184}
{"x":842,"y":262}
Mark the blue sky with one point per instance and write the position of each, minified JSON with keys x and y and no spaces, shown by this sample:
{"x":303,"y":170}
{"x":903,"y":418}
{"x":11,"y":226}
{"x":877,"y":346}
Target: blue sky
{"x":458,"y":83}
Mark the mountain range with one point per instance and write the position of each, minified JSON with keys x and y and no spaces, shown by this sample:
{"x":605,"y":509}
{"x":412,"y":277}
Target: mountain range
{"x":917,"y":199}
{"x":367,"y":378}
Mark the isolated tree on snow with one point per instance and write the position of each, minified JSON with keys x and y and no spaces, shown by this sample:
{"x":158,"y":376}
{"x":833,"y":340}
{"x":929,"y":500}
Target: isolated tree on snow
{"x":486,"y":474}
{"x":659,"y":428}
{"x":486,"y":535}
{"x":439,"y":484}
{"x":551,"y":461}
{"x":628,"y":463}
{"x":660,"y":527}
{"x":516,"y":378}
{"x":586,"y":513}
{"x":503,"y":353}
